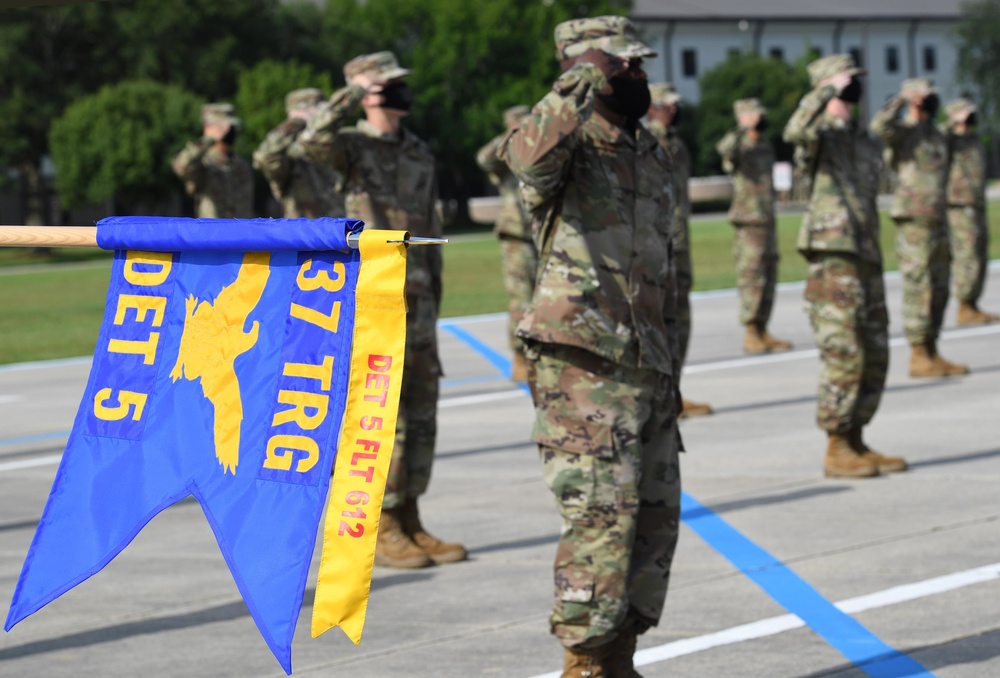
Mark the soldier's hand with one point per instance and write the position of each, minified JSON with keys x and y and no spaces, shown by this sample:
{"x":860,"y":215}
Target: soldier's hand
{"x":839,"y":81}
{"x":217,"y":130}
{"x":609,"y":64}
{"x":370,"y":84}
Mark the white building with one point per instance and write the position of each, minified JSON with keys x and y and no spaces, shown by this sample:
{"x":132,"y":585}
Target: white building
{"x":892,"y":39}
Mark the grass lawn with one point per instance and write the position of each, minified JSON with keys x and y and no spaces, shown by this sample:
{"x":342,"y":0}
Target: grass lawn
{"x":56,"y":310}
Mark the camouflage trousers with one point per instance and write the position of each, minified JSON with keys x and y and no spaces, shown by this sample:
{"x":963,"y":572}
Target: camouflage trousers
{"x":970,"y":244}
{"x":924,"y":260}
{"x":520,"y":266}
{"x":416,"y":424}
{"x":845,"y":301}
{"x":608,"y":440}
{"x":685,"y":279}
{"x":755,"y":249}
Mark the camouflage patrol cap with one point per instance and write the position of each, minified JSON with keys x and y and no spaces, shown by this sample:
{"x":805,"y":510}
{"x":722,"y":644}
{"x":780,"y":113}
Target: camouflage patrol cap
{"x":962,"y":105}
{"x":514,"y":114}
{"x":745,"y":106}
{"x":382,"y":66}
{"x":917,"y":87}
{"x":664,"y":94}
{"x":829,"y":66}
{"x":612,"y":34}
{"x":219,"y":113}
{"x":307,"y":97}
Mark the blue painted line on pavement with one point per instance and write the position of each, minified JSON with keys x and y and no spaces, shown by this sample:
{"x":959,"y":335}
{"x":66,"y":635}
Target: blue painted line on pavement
{"x":495,"y":358}
{"x":35,"y":438}
{"x":845,"y":634}
{"x":842,"y":632}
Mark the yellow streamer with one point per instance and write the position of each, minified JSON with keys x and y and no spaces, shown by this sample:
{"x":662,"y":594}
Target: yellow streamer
{"x":369,"y":431}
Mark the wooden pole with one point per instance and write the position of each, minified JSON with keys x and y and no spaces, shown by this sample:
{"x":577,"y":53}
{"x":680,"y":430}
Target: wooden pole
{"x":86,"y":236}
{"x":48,"y":236}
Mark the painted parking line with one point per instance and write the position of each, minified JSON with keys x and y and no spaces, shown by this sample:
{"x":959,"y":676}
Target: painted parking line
{"x":30,"y":463}
{"x":849,"y":637}
{"x":841,"y":631}
{"x":787,"y":622}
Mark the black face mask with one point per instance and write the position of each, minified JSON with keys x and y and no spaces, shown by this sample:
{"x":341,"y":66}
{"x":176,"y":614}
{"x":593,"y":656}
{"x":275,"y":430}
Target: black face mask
{"x":397,"y":96}
{"x":629,"y":97}
{"x":230,"y":138}
{"x":762,"y":124}
{"x":852,"y":93}
{"x":931,"y":104}
{"x":972,"y":120}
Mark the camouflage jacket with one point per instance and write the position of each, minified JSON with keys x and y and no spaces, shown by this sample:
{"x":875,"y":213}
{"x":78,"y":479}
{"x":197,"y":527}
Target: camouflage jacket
{"x":220,"y":183}
{"x":601,"y":202}
{"x":513,"y":220}
{"x":680,"y":157}
{"x":843,"y":162}
{"x":303,"y":188}
{"x":388,"y":181}
{"x":919,"y":154}
{"x":967,"y":170}
{"x":751,"y":164}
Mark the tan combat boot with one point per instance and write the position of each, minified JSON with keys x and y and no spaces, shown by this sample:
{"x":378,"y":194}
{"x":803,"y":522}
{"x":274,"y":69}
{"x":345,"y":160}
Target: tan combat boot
{"x":968,"y":314}
{"x":393,"y":547}
{"x":925,"y":362}
{"x":843,"y":461}
{"x":591,"y":663}
{"x":753,"y":342}
{"x":438,"y":551}
{"x":621,"y":655}
{"x":693,"y":409}
{"x":757,"y":340}
{"x":885,"y":464}
{"x":519,"y":368}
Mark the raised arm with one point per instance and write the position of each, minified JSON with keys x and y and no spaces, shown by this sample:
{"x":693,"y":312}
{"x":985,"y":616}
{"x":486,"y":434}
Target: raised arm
{"x":188,"y":166}
{"x":271,"y":157}
{"x":886,"y":121}
{"x":729,"y":149}
{"x":489,"y":161}
{"x":321,"y":142}
{"x":539,"y":149}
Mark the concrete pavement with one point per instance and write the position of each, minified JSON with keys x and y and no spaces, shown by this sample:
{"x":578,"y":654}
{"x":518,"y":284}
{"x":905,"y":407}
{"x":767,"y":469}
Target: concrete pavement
{"x":913,"y":560}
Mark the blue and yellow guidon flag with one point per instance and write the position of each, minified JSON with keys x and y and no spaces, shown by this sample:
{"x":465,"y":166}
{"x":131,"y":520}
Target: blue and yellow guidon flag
{"x":241,"y":362}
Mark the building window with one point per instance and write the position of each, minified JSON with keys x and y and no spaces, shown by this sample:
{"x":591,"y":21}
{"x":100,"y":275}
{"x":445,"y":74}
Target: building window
{"x":777,"y":53}
{"x":930,"y":59}
{"x":689,"y":63}
{"x":891,"y":59}
{"x":856,"y":55}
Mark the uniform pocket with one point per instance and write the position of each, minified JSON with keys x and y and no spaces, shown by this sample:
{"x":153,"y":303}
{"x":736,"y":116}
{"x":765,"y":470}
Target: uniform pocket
{"x":578,"y":467}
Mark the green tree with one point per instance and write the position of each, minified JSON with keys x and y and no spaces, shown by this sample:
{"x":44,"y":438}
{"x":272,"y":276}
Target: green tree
{"x":45,"y":62}
{"x":118,"y":143}
{"x":777,"y":84}
{"x":260,"y":96}
{"x":978,"y":34}
{"x":470,"y":61}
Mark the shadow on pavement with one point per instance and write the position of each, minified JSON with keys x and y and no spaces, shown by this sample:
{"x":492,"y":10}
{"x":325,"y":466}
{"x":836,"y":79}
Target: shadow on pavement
{"x":210,"y":615}
{"x":972,"y":649}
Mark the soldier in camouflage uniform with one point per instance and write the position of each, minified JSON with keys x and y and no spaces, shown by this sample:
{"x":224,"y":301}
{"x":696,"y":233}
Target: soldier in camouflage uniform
{"x":388,"y":176}
{"x":748,"y":157}
{"x":969,"y":234}
{"x":662,"y":119}
{"x":845,"y":296}
{"x":919,"y":154}
{"x":513,"y":227}
{"x":303,"y":188}
{"x":601,"y":341}
{"x":220,"y":182}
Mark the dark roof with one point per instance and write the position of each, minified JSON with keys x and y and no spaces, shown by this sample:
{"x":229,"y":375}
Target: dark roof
{"x":795,"y":10}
